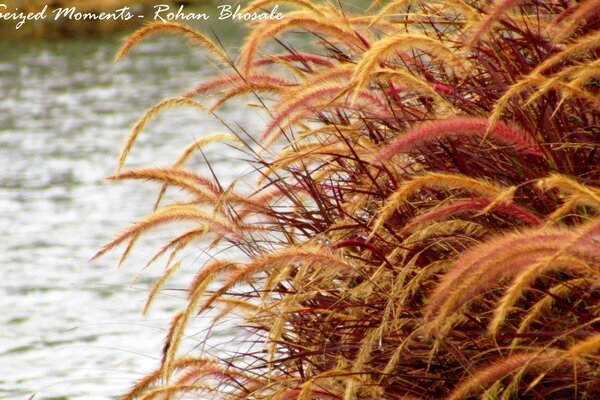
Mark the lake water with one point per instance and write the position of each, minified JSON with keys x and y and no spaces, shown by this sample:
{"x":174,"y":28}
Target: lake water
{"x":70,"y":328}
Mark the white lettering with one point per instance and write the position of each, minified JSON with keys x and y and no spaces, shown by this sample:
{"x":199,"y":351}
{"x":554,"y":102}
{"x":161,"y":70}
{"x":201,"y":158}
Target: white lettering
{"x":63,"y":12}
{"x":71,"y":13}
{"x":21,"y":17}
{"x":159,"y":9}
{"x":227,"y":12}
{"x":161,"y":13}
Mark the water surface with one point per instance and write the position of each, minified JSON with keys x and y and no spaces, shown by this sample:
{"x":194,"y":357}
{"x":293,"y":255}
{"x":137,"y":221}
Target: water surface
{"x":71,"y":329}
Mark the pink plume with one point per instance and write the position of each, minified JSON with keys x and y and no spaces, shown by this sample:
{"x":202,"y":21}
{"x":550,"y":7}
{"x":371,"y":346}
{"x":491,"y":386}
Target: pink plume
{"x":461,"y":126}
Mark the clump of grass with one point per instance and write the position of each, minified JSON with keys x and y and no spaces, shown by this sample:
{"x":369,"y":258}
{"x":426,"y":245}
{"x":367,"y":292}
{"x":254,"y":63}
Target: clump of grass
{"x":425,"y":222}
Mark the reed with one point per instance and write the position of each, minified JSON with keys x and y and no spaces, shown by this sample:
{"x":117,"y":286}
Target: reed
{"x":424,"y":219}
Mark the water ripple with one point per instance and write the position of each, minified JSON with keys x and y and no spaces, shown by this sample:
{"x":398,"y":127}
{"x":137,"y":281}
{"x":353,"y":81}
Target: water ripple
{"x":71,"y":329}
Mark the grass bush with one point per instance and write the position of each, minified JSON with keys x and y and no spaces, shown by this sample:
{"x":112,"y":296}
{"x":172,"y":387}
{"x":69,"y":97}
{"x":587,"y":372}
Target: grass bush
{"x":425,"y":220}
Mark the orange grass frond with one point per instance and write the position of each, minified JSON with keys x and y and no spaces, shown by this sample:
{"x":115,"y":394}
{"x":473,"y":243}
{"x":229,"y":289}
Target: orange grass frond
{"x":336,"y":74}
{"x":179,"y":324}
{"x":258,"y":202}
{"x":483,"y":379}
{"x":484,"y":277}
{"x":207,"y":274}
{"x":572,"y":256}
{"x":586,"y":347}
{"x":292,"y":255}
{"x":570,"y":81}
{"x":471,"y":14}
{"x":499,"y":8}
{"x":217,"y":375}
{"x":585,"y":195}
{"x":415,"y":286}
{"x":175,"y":213}
{"x":485,"y":189}
{"x":167,"y":174}
{"x":329,"y":26}
{"x":247,"y":88}
{"x":569,"y":206}
{"x":190,"y":34}
{"x":586,"y":43}
{"x":214,"y":85}
{"x":190,"y":150}
{"x":149,"y":115}
{"x":198,"y":144}
{"x":527,"y":277}
{"x":165,"y":392}
{"x":132,"y":241}
{"x":464,"y":267}
{"x":301,"y":57}
{"x":153,"y":377}
{"x":585,"y":11}
{"x":386,"y":48}
{"x":473,"y":204}
{"x":445,"y":229}
{"x":542,"y":307}
{"x":527,"y":253}
{"x":178,"y":244}
{"x":411,"y":81}
{"x":570,"y":90}
{"x":367,"y":346}
{"x":522,"y":84}
{"x":401,"y":215}
{"x":365,"y":23}
{"x":374,"y":4}
{"x":318,"y":97}
{"x":234,"y":304}
{"x":158,"y":285}
{"x":195,"y":184}
{"x":235,"y":79}
{"x":584,"y":73}
{"x":313,"y":152}
{"x":172,"y":341}
{"x":400,"y":349}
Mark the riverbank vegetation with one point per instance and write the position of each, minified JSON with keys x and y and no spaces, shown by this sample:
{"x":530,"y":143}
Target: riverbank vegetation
{"x":424,"y":222}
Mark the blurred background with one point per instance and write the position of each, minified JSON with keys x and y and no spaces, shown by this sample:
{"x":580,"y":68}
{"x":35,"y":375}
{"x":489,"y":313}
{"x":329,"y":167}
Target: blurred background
{"x":71,"y":329}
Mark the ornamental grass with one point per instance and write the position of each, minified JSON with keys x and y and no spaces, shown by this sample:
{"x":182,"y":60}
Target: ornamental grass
{"x":424,"y":219}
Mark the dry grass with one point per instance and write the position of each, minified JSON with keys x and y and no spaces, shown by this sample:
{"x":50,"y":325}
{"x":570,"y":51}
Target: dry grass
{"x":426,"y":219}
